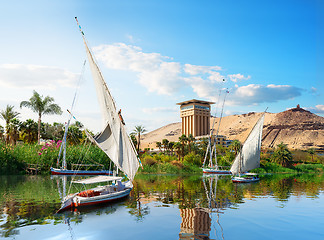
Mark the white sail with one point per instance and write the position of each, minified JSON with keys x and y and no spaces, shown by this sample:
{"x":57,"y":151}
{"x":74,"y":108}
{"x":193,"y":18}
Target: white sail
{"x":249,"y":156}
{"x":113,"y":140}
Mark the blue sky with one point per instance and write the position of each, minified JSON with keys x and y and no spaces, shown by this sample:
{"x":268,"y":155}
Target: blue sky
{"x":154,"y":54}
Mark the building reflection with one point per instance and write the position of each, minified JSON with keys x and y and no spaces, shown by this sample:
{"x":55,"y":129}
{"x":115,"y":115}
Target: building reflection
{"x":195,"y":223}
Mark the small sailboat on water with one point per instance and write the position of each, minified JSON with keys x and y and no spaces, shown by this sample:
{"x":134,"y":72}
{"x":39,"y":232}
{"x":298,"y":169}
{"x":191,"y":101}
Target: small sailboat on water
{"x":63,"y":170}
{"x":249,"y":156}
{"x":214,"y":168}
{"x":114,"y":141}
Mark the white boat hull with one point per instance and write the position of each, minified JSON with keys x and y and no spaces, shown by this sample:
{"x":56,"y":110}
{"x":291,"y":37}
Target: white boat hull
{"x":57,"y":171}
{"x":216,"y":171}
{"x":245,"y":179}
{"x":75,"y":200}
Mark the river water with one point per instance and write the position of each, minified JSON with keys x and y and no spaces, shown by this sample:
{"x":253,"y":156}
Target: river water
{"x":169,"y":207}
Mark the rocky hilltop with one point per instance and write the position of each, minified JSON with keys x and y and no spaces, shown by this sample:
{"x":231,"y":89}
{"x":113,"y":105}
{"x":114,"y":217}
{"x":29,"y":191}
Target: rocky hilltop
{"x":297,"y":127}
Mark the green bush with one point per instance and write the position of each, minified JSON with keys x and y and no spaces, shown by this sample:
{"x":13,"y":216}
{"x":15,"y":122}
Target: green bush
{"x":15,"y":159}
{"x":192,"y":159}
{"x":308,"y":168}
{"x":148,"y":160}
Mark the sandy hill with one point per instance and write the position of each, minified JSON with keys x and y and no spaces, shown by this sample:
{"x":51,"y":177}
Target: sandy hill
{"x":297,"y":127}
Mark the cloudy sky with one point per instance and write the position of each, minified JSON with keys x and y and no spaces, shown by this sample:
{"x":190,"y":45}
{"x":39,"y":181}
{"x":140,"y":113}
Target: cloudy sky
{"x":154,"y":54}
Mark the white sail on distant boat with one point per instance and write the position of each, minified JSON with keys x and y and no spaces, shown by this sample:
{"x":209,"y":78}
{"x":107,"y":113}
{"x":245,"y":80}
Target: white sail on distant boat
{"x":114,"y":141}
{"x":249,"y":156}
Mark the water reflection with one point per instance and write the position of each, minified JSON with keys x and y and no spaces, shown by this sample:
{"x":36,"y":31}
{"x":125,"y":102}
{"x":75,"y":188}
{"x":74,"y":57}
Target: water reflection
{"x":200,"y":202}
{"x":195,"y":224}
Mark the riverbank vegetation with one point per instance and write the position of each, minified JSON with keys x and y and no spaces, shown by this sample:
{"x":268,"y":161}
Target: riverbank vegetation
{"x":19,"y":149}
{"x":182,"y":158}
{"x":16,"y":159}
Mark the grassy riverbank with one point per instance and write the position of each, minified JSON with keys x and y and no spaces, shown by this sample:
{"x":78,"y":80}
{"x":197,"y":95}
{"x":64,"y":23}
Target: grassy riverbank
{"x":15,"y":159}
{"x":269,"y":167}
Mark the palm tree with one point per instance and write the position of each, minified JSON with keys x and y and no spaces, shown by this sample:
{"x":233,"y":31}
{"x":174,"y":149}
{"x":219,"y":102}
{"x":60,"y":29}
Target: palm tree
{"x":282,"y":155}
{"x":159,"y":145}
{"x":165,"y":143}
{"x":235,"y":146}
{"x":190,"y":139}
{"x":28,"y":130}
{"x":312,"y":152}
{"x":139,"y":129}
{"x":8,"y":114}
{"x":170,"y":146}
{"x":133,"y":138}
{"x":178,"y":147}
{"x":1,"y":133}
{"x":41,"y":106}
{"x":183,"y":140}
{"x":13,"y":132}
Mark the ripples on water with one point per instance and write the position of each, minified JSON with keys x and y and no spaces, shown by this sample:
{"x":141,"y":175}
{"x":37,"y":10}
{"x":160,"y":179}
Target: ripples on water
{"x":169,"y":207}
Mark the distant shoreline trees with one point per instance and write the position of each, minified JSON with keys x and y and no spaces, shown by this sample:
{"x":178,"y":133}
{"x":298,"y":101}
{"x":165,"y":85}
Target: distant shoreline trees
{"x":8,"y":115}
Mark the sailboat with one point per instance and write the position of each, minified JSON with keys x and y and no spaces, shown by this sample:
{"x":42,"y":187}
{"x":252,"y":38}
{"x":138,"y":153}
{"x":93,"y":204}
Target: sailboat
{"x":215,"y":169}
{"x":63,"y":169}
{"x":249,"y":156}
{"x":114,"y":141}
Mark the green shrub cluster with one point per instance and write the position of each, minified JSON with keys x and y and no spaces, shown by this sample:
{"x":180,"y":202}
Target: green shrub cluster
{"x":270,"y":167}
{"x":160,"y":163}
{"x":15,"y":159}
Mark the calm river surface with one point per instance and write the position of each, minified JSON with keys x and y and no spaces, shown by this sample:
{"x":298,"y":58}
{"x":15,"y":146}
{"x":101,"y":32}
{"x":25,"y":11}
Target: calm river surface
{"x":169,"y":207}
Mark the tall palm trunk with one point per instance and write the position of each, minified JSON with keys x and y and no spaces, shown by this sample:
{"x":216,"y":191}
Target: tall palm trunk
{"x":39,"y":128}
{"x":138,"y":141}
{"x":7,"y":132}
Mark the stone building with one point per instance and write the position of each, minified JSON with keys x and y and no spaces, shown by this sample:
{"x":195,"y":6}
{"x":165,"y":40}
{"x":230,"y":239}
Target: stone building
{"x":195,"y":117}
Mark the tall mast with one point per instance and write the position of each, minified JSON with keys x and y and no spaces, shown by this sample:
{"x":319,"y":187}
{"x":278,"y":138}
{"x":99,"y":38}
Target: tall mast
{"x":209,"y":147}
{"x":220,"y":119}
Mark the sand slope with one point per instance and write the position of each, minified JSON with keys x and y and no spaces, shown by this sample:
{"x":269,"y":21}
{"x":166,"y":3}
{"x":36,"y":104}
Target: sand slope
{"x":298,"y":128}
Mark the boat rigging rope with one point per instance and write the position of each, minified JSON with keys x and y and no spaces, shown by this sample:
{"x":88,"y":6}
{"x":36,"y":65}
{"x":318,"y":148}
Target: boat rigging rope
{"x":220,"y":119}
{"x":212,"y":129}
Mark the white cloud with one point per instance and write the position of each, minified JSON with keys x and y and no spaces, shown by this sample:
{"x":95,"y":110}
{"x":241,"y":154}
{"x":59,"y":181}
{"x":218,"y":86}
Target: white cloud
{"x":320,"y":108}
{"x":313,"y":90}
{"x":160,"y":110}
{"x":317,"y":109}
{"x":195,"y":70}
{"x":237,"y":77}
{"x":35,"y":76}
{"x":203,"y":88}
{"x":161,"y":75}
{"x":154,"y":71}
{"x":254,"y":94}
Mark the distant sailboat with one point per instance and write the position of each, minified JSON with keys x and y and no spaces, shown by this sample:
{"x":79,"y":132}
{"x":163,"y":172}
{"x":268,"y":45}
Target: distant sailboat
{"x":211,"y":168}
{"x":114,"y":141}
{"x":249,"y":156}
{"x":63,"y":170}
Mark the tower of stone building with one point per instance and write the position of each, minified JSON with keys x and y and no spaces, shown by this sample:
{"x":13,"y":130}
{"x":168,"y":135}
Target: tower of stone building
{"x":195,"y":117}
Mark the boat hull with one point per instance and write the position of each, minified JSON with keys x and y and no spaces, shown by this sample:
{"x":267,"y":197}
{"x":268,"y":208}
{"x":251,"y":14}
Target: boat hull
{"x":75,"y":201}
{"x":57,"y":171}
{"x":216,"y":171}
{"x":245,"y":179}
